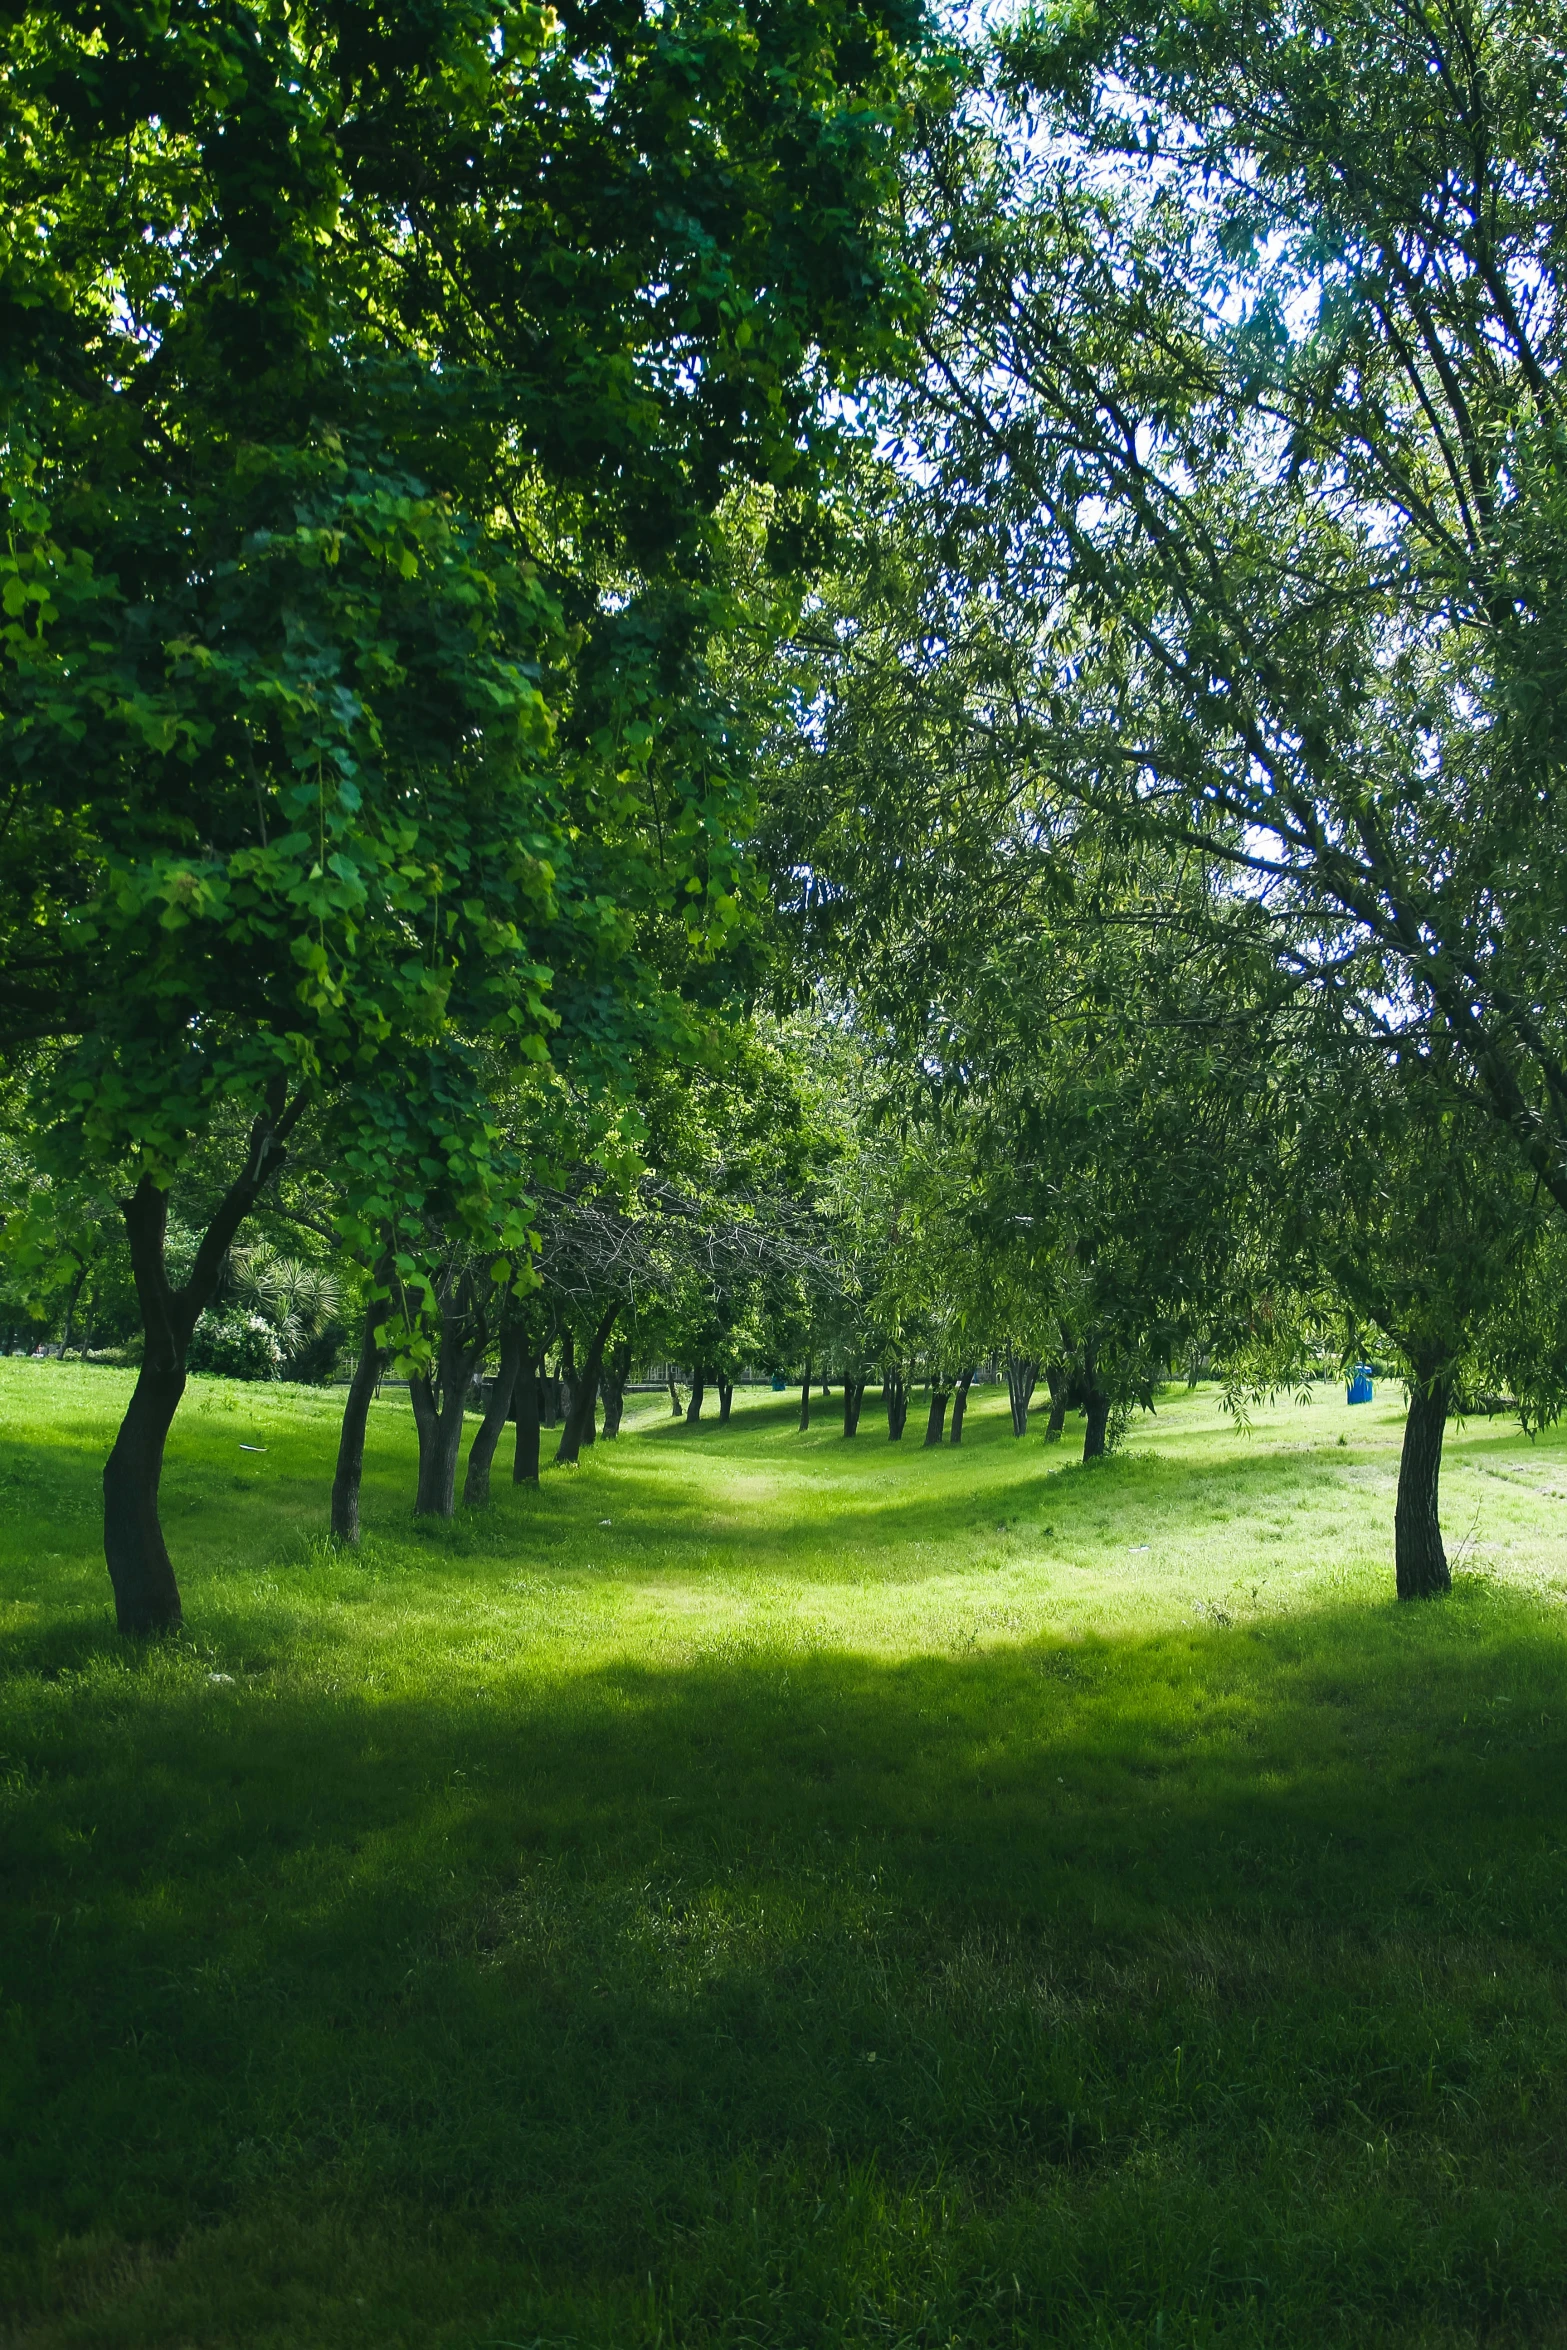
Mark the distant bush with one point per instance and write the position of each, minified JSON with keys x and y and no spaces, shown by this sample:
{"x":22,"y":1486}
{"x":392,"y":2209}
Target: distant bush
{"x":236,"y":1345}
{"x":298,"y":1301}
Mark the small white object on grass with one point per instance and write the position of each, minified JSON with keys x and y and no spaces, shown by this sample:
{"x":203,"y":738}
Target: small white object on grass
{"x":220,"y":1677}
{"x":252,"y":1448}
{"x":603,"y":1521}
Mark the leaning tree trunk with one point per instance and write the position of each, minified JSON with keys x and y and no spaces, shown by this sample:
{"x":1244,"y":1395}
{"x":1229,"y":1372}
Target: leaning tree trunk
{"x":897,"y":1398}
{"x":853,"y":1398}
{"x":578,"y":1430}
{"x":146,"y":1595}
{"x":698,"y":1391}
{"x":1060,"y":1396}
{"x":497,"y":1411}
{"x":960,"y":1405}
{"x":1022,"y":1371}
{"x":805,"y":1397}
{"x":936,"y":1420}
{"x":674,"y":1398}
{"x":525,"y":1461}
{"x":1419,"y":1559}
{"x":726,"y":1397}
{"x":612,"y":1387}
{"x":356,"y":1415}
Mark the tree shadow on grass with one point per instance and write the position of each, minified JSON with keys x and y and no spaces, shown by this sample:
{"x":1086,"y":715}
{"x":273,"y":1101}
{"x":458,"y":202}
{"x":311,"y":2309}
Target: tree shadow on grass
{"x":863,"y":1517}
{"x":1170,"y":1931}
{"x":905,"y":1530}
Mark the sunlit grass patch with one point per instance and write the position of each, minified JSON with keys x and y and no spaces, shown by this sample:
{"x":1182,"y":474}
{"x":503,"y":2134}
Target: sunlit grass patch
{"x":854,"y":1895}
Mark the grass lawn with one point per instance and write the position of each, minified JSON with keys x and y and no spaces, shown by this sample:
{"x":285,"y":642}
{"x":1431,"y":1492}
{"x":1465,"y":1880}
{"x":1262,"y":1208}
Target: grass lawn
{"x":766,"y":1891}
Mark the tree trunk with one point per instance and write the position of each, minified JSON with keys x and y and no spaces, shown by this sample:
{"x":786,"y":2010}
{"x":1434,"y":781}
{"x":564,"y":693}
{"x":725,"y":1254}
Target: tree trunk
{"x":146,"y":1595}
{"x":70,"y":1312}
{"x":525,"y":1464}
{"x":356,"y":1415}
{"x":960,"y":1405}
{"x":1022,"y":1372}
{"x":726,"y":1396}
{"x":805,"y":1397}
{"x":1419,"y":1559}
{"x":674,"y":1398}
{"x":937,"y":1420}
{"x":698,"y":1391}
{"x":438,"y":1416}
{"x":897,"y":1400}
{"x":1060,"y":1396}
{"x":1096,"y":1418}
{"x":578,"y":1430}
{"x":853,"y":1398}
{"x":612,"y":1387}
{"x":566,"y":1377}
{"x":439,"y":1402}
{"x":497,"y":1411}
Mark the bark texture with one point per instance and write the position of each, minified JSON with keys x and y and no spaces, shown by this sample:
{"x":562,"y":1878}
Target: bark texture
{"x":146,"y":1594}
{"x":853,"y":1398}
{"x":497,"y":1411}
{"x":530,"y":1387}
{"x":698,"y":1391}
{"x":439,"y":1399}
{"x":579,"y":1429}
{"x":1420,"y":1561}
{"x":1022,"y":1373}
{"x":960,"y":1405}
{"x":936,"y":1418}
{"x":726,"y":1397}
{"x":897,"y":1395}
{"x":1060,"y":1398}
{"x":356,"y":1414}
{"x":612,"y":1386}
{"x":1096,"y":1421}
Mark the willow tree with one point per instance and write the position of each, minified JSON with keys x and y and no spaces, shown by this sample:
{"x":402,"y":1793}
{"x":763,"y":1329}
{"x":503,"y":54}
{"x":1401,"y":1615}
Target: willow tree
{"x":1242,"y":390}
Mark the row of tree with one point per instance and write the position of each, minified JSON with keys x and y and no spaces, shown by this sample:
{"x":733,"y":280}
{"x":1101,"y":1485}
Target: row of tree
{"x":788,"y":689}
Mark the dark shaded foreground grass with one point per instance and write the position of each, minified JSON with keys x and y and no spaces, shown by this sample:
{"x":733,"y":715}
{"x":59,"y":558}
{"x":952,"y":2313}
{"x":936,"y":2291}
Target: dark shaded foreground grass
{"x":552,"y":1931}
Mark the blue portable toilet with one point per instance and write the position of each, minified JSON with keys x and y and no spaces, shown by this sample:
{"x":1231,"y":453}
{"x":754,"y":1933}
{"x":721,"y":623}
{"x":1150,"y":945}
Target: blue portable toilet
{"x":779,"y":1383}
{"x":1360,"y":1390}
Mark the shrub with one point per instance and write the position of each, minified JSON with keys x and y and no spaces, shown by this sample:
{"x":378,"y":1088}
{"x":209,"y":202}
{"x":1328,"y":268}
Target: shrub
{"x":236,"y":1346}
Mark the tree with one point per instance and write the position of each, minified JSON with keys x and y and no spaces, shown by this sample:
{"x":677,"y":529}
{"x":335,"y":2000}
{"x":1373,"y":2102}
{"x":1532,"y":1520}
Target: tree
{"x":371,"y":385}
{"x":1075,"y":1021}
{"x":1241,"y":388}
{"x":1402,"y":1217}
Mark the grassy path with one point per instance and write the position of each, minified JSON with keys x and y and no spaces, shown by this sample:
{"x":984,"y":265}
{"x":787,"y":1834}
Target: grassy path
{"x":766,"y":1891}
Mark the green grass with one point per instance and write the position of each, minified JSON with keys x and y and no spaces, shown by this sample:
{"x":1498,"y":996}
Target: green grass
{"x":765,"y":1891}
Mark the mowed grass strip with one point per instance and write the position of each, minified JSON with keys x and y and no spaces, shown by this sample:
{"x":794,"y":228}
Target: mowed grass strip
{"x":762,"y":1890}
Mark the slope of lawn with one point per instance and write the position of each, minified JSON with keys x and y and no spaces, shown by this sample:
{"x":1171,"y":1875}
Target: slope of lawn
{"x":761,"y":1890}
